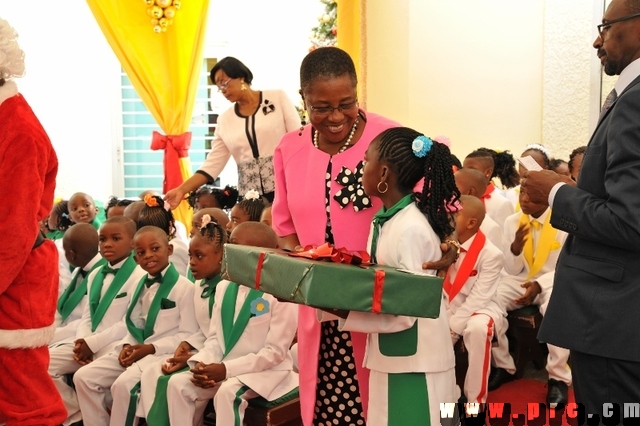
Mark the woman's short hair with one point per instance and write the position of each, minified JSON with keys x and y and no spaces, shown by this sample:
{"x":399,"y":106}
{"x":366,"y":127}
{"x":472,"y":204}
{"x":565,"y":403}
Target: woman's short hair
{"x":325,"y":63}
{"x":233,"y":68}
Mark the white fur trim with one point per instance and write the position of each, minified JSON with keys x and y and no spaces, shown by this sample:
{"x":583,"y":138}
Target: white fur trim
{"x":26,"y":339}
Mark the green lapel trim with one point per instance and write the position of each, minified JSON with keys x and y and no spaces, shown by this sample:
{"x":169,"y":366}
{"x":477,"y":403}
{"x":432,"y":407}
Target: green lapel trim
{"x":98,"y":305}
{"x":73,"y":294}
{"x":190,"y":276}
{"x":210,"y":288}
{"x":133,"y":404}
{"x":382,"y":217}
{"x":96,"y":223}
{"x":159,"y":411}
{"x":54,"y":235}
{"x":232,"y":330}
{"x":169,"y":280}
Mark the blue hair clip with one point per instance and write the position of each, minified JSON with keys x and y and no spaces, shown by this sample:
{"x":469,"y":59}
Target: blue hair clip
{"x":421,"y":146}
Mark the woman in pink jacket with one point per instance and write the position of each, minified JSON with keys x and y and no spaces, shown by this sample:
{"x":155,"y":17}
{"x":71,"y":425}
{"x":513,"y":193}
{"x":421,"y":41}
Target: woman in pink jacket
{"x":319,"y":198}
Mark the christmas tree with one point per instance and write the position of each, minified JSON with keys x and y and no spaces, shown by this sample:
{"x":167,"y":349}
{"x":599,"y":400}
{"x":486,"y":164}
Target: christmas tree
{"x":325,"y":33}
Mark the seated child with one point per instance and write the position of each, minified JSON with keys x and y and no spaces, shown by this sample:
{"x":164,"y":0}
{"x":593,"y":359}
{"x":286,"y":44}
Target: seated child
{"x":132,"y":211}
{"x":265,"y":216}
{"x":560,"y":166}
{"x":495,"y":164}
{"x":407,"y":355}
{"x":217,"y":215}
{"x":246,"y":353}
{"x":531,"y":250}
{"x":472,"y":182}
{"x":249,"y":209}
{"x":155,"y":213}
{"x":80,"y":245}
{"x":109,"y":288}
{"x":115,"y":206}
{"x":58,"y":221}
{"x":575,"y":161}
{"x":208,"y":196}
{"x":205,"y":254}
{"x":160,"y":316}
{"x":82,"y":209}
{"x":469,"y":288}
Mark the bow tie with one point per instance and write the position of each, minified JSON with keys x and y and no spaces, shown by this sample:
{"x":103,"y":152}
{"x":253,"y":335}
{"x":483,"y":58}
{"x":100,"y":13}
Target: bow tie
{"x":536,"y":225}
{"x":208,"y":290}
{"x":83,"y":273}
{"x":107,"y":270}
{"x":149,"y":281}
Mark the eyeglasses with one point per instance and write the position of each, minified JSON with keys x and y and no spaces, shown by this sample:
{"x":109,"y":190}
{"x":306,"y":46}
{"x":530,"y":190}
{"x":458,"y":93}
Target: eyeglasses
{"x":605,"y":25}
{"x":223,"y":85}
{"x":328,"y":110}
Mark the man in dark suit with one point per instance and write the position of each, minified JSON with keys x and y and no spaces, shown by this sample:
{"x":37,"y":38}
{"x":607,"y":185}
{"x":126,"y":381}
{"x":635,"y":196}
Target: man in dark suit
{"x":595,"y":305}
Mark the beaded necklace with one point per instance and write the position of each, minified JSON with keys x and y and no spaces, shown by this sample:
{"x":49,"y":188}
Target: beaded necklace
{"x":347,"y":142}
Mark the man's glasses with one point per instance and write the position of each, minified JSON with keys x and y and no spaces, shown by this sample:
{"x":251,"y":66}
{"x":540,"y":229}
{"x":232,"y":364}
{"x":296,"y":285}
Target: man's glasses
{"x":328,"y":110}
{"x":602,"y":28}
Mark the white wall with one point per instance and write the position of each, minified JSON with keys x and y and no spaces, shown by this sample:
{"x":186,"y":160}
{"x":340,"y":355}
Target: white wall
{"x":73,"y":77}
{"x":497,"y":73}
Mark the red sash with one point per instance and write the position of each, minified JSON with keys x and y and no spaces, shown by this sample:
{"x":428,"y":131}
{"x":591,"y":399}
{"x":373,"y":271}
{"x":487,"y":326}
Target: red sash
{"x":464,"y":272}
{"x":487,"y":192}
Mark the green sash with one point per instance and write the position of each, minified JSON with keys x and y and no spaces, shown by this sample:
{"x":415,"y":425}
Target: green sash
{"x":232,"y":330}
{"x":169,"y":279}
{"x":96,"y":223}
{"x":382,"y":217}
{"x":73,"y":294}
{"x":209,"y":290}
{"x":159,"y":411}
{"x":55,"y":235}
{"x":98,"y":305}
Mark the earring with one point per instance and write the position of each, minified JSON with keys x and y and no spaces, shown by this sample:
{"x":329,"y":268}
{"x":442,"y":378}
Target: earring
{"x":386,"y":187}
{"x":243,"y":86}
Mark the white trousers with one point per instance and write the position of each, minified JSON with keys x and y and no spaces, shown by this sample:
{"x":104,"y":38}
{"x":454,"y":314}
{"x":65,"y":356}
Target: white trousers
{"x":441,"y":388}
{"x":477,"y":336}
{"x":105,"y":382}
{"x":557,"y":359}
{"x":62,"y":363}
{"x":187,"y":401}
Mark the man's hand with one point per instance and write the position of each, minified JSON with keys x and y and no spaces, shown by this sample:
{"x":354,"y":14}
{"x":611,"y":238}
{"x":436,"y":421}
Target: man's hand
{"x":532,"y":289}
{"x":518,"y":241}
{"x":449,"y":257}
{"x":179,"y":359}
{"x":538,"y":184}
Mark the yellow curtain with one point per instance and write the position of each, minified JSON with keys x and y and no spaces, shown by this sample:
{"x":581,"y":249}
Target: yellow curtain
{"x":164,"y":69}
{"x":349,"y":34}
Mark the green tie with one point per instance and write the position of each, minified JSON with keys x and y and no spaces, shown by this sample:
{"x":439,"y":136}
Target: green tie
{"x":107,"y":270}
{"x":149,"y":281}
{"x":382,"y":217}
{"x":209,"y":290}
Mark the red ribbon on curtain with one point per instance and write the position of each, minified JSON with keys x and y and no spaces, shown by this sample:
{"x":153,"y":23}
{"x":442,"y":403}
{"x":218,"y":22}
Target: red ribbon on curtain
{"x":175,"y":147}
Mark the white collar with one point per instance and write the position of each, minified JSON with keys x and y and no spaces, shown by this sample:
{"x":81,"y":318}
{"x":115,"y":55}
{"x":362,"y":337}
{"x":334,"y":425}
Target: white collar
{"x":627,"y":75}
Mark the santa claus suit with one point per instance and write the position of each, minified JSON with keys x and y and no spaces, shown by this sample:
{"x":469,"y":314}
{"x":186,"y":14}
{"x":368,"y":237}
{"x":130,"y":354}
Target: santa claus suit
{"x":258,"y":362}
{"x":469,"y":288}
{"x":101,"y":327}
{"x":160,"y":315}
{"x":29,"y":277}
{"x":547,"y":243}
{"x":406,"y":352}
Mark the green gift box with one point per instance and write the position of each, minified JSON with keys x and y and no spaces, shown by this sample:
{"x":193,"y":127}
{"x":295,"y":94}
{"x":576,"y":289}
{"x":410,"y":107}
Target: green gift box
{"x":325,"y":284}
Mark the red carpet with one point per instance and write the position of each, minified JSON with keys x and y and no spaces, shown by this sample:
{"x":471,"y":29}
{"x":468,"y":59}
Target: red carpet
{"x":527,"y":400}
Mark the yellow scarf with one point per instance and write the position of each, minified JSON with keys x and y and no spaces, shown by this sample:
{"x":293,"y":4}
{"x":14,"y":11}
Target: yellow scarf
{"x":545,"y":244}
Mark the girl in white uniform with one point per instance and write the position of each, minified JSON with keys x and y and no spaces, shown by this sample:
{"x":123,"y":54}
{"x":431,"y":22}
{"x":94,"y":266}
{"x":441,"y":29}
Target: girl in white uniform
{"x":411,"y":359}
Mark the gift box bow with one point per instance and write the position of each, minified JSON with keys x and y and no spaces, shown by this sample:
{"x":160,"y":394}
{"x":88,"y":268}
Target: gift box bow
{"x":338,"y":255}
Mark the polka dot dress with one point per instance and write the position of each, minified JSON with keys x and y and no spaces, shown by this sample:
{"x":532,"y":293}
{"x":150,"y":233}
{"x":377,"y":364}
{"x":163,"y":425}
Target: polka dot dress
{"x":337,"y":392}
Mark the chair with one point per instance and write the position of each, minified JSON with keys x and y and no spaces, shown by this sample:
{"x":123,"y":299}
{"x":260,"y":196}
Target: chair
{"x":524,"y":324}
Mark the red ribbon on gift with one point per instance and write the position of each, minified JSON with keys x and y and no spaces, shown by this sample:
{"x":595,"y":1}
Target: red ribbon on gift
{"x":259,"y":270}
{"x":378,"y":289}
{"x":328,"y":252}
{"x":175,"y":147}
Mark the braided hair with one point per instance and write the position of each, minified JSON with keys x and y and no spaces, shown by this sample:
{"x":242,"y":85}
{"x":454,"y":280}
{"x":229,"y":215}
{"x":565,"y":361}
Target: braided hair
{"x":61,"y":210}
{"x":504,"y":165}
{"x":439,"y":189}
{"x":116,"y":202}
{"x":215,"y":234}
{"x":252,"y":206}
{"x":154,"y":214}
{"x":226,"y":198}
